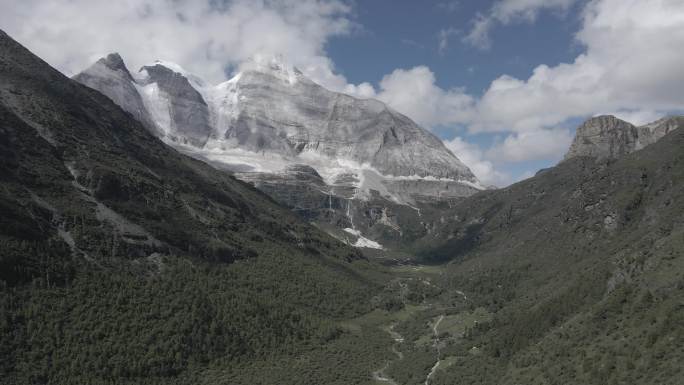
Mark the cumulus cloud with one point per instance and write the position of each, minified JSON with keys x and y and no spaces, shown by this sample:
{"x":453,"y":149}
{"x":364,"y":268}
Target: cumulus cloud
{"x":636,"y":117}
{"x":532,"y":145}
{"x":205,"y":36}
{"x":415,"y":93}
{"x":473,"y":157}
{"x":632,"y":63}
{"x":488,"y":165}
{"x":630,"y":67}
{"x":506,"y":12}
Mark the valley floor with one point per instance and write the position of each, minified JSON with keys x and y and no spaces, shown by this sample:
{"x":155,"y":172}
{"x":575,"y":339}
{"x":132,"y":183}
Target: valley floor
{"x":400,"y":342}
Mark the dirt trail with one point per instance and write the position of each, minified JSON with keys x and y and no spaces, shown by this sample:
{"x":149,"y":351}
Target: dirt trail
{"x":379,"y":375}
{"x":436,"y":344}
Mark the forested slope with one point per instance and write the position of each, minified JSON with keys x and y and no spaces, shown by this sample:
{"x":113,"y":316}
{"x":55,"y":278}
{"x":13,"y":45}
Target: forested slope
{"x":583,"y":268}
{"x":123,"y":260}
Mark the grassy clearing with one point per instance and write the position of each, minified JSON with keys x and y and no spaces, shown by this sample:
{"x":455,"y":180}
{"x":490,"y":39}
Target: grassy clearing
{"x":456,"y":325}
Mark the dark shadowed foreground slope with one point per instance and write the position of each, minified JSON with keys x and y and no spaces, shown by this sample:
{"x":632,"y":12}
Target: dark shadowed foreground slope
{"x":583,"y":267}
{"x":121,"y":259}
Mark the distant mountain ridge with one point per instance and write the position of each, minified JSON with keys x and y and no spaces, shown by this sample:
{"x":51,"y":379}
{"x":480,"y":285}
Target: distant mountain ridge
{"x":276,"y":109}
{"x":270,"y":119}
{"x":607,"y":137}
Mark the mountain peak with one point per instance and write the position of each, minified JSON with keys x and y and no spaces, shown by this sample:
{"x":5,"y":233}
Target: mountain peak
{"x":168,"y":65}
{"x":274,"y":65}
{"x":603,"y":137}
{"x":165,"y":69}
{"x":608,"y":137}
{"x":114,"y":62}
{"x":272,"y":107}
{"x":665,"y":124}
{"x":608,"y":122}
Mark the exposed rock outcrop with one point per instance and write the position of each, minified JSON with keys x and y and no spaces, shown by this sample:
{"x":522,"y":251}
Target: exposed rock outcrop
{"x":607,"y":137}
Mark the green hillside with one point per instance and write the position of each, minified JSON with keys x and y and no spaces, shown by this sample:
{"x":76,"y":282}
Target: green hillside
{"x":583,"y":269}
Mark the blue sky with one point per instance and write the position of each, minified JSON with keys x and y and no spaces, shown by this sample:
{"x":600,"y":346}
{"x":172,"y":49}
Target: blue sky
{"x":503,"y":82}
{"x":405,"y":34}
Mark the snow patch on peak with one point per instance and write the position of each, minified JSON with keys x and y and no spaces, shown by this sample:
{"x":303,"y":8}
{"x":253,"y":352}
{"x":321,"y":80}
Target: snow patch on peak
{"x":172,"y":66}
{"x":270,"y":116}
{"x":274,"y":65}
{"x":194,"y":80}
{"x":158,"y":107}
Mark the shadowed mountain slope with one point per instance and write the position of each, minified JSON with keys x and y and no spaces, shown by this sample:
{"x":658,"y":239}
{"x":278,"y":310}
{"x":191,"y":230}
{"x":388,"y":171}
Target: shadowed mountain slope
{"x":121,"y":258}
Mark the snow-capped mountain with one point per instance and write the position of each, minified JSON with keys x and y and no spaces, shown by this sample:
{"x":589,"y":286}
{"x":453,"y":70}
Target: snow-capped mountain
{"x":111,"y":75}
{"x":270,"y":119}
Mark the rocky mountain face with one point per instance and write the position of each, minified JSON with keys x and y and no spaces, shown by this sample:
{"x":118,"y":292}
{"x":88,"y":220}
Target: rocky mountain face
{"x":607,"y":137}
{"x":270,"y":119}
{"x":276,"y":109}
{"x":111,"y":73}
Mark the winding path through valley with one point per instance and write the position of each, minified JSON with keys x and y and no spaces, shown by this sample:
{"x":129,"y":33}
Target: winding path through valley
{"x":379,"y":375}
{"x":436,"y":334}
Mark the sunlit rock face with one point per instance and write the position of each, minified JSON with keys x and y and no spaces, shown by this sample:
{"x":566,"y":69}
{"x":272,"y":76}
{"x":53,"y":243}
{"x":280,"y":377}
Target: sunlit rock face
{"x":607,"y":137}
{"x":176,"y":106}
{"x":110,"y":76}
{"x":285,"y":112}
{"x":301,"y":143}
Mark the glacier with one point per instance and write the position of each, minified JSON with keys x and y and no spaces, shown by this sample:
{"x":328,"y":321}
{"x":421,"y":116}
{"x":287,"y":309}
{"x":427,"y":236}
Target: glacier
{"x":270,"y":119}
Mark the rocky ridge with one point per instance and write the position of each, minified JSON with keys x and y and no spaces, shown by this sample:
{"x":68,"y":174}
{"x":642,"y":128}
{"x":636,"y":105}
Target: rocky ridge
{"x":607,"y":137}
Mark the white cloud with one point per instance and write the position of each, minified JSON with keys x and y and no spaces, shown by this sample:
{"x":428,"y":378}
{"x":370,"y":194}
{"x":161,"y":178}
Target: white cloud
{"x":363,"y":90}
{"x":509,"y":11}
{"x":204,"y":36}
{"x":630,"y":67}
{"x":632,"y":63}
{"x":413,"y":92}
{"x":636,"y":117}
{"x":488,"y":165}
{"x":532,"y":145}
{"x":473,"y":157}
{"x":479,"y":34}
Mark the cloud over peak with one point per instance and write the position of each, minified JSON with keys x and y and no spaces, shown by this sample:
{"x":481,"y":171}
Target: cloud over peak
{"x":630,"y":63}
{"x":206,"y":36}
